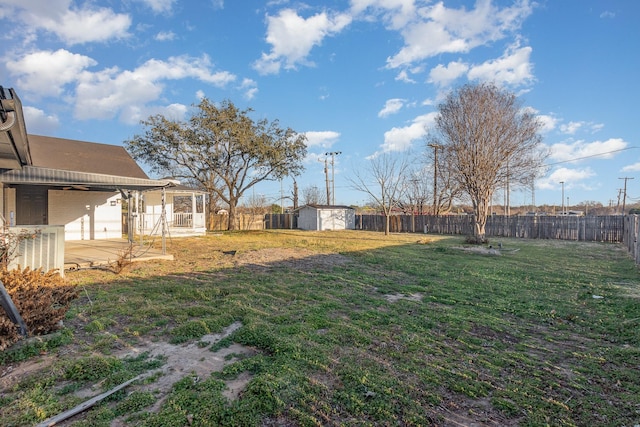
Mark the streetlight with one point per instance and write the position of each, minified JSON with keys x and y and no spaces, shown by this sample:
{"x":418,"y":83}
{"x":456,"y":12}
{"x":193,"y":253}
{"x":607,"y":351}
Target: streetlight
{"x":562,"y":182}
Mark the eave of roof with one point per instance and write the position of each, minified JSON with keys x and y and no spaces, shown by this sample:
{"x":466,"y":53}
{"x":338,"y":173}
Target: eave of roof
{"x":32,"y":175}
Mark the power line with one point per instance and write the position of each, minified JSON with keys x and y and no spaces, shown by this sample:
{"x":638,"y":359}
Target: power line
{"x":588,"y":157}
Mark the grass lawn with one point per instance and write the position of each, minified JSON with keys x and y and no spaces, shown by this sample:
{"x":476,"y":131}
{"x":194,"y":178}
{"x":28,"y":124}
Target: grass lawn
{"x":344,"y":328}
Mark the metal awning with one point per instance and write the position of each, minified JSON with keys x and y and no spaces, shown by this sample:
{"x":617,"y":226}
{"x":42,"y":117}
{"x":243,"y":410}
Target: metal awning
{"x":32,"y":175}
{"x":14,"y":148}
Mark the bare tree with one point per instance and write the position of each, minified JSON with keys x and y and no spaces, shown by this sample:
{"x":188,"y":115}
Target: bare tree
{"x":487,"y":140}
{"x":417,"y":192}
{"x":312,"y":195}
{"x":384,"y":181}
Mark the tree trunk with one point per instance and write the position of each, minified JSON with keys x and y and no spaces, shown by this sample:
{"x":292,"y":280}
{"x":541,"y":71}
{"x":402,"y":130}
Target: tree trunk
{"x":481,"y":209}
{"x":386,"y":225}
{"x":232,"y":224}
{"x":479,"y":230}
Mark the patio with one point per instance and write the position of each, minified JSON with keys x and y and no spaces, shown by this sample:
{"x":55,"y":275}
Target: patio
{"x":91,"y":253}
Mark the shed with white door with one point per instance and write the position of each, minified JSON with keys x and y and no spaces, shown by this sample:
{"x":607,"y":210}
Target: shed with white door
{"x":326,"y":217}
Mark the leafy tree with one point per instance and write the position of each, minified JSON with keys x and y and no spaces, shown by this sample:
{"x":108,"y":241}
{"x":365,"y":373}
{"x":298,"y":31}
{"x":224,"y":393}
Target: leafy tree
{"x":488,"y":140}
{"x":385,"y":181}
{"x":222,"y":149}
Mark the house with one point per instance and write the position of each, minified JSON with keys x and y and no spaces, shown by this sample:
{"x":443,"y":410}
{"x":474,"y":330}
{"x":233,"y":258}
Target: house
{"x":46,"y":181}
{"x":326,"y":217}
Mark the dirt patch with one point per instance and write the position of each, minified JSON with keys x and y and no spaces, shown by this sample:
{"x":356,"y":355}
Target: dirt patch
{"x":195,"y":358}
{"x":480,"y":250}
{"x":296,"y":258}
{"x":12,"y":374}
{"x":397,"y":297}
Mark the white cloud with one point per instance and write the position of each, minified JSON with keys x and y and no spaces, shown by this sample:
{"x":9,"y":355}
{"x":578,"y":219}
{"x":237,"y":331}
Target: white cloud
{"x":45,"y":73}
{"x":392,"y":106}
{"x":72,"y":25}
{"x":250,"y":88}
{"x":323,"y":139}
{"x":133,"y":114}
{"x":549,"y":122}
{"x":179,"y":67}
{"x":580,"y":149}
{"x":435,"y":29}
{"x":571,"y":127}
{"x":572,"y":178}
{"x":103,"y":94}
{"x":292,"y":37}
{"x":200,"y":94}
{"x":397,"y":13}
{"x":402,"y":138}
{"x":403,"y":76}
{"x":444,"y":75}
{"x":165,"y":36}
{"x":513,"y":68}
{"x":39,"y":122}
{"x":159,"y":6}
{"x":631,"y":168}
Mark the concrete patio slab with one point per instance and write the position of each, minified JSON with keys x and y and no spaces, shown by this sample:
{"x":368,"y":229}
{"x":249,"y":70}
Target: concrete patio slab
{"x":92,"y":253}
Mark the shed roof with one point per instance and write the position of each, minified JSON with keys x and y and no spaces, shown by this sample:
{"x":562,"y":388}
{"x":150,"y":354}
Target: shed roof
{"x":321,"y":207}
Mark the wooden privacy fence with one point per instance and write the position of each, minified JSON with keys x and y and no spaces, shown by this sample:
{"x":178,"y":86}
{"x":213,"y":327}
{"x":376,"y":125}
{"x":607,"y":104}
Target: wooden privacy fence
{"x":582,"y":228}
{"x":254,"y":222}
{"x":631,"y":240}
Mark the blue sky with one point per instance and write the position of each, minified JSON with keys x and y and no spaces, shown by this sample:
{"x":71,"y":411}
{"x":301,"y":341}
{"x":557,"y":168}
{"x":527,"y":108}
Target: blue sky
{"x":360,"y":76}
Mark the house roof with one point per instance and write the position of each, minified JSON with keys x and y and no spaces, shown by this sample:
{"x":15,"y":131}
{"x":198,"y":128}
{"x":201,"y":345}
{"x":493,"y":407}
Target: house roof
{"x":79,"y":165}
{"x":80,"y":156}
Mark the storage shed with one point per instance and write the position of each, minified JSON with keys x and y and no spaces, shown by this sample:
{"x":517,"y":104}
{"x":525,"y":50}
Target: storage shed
{"x":326,"y":217}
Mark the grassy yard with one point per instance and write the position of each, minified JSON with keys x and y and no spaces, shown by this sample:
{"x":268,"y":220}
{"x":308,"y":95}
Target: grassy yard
{"x":346,"y":328}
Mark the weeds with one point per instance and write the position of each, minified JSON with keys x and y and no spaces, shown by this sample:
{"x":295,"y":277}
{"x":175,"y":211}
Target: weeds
{"x":511,"y":340}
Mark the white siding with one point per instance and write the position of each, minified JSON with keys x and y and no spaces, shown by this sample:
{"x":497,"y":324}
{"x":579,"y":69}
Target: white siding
{"x":86,"y":215}
{"x":308,"y":218}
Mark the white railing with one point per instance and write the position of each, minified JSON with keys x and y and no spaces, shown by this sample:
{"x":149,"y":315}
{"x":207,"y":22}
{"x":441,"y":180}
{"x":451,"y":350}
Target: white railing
{"x":151,"y":223}
{"x":182,"y":220}
{"x":45,"y":250}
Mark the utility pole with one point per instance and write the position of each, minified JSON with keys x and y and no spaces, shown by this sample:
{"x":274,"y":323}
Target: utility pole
{"x":562,"y":183}
{"x":295,"y":195}
{"x":333,"y":155}
{"x":624,"y":194}
{"x":326,"y":179}
{"x":619,"y":194}
{"x":435,"y":176}
{"x":281,"y":198}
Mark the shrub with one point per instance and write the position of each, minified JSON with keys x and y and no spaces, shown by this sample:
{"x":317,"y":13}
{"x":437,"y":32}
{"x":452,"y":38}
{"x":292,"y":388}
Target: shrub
{"x":42,"y":299}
